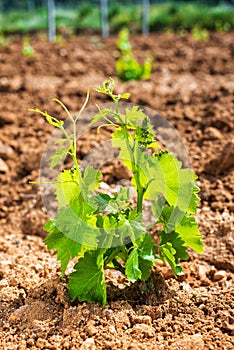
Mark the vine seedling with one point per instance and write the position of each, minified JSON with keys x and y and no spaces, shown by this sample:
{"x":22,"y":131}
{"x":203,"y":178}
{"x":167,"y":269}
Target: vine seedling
{"x":127,"y":67}
{"x":106,"y":231}
{"x":28,"y":50}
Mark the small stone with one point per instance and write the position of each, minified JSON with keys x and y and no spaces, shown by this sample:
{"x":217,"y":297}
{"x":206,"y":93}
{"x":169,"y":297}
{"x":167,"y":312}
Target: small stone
{"x":4,"y":84}
{"x":88,"y":344}
{"x":142,"y":319}
{"x":6,"y":152}
{"x":194,"y":341}
{"x":215,"y":205}
{"x":90,"y":328}
{"x":8,"y":118}
{"x":212,"y":134}
{"x":224,"y":161}
{"x":63,"y":52}
{"x":160,"y":338}
{"x":3,"y":166}
{"x":41,"y":343}
{"x":202,"y":271}
{"x":112,"y":329}
{"x":227,"y":157}
{"x":144,"y":329}
{"x":7,"y":263}
{"x":186,"y":287}
{"x":3,"y":284}
{"x":16,"y":84}
{"x":219,"y":275}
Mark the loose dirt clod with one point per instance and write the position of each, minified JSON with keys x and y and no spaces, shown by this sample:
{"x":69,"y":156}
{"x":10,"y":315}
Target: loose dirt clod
{"x":224,"y":161}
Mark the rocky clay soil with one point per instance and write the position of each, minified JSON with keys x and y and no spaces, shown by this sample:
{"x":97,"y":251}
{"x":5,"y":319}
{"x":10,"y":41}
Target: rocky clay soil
{"x":192,"y":86}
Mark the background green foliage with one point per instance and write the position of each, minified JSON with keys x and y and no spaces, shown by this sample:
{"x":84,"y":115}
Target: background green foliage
{"x":18,"y":16}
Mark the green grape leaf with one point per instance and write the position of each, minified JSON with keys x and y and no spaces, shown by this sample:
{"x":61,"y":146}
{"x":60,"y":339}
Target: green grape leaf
{"x":134,"y":116}
{"x":67,"y":187}
{"x":194,"y":199}
{"x":167,"y":254}
{"x":186,"y":230}
{"x":131,"y":227}
{"x":125,"y":96}
{"x":190,"y":234}
{"x":101,"y":200}
{"x":160,"y":175}
{"x":108,"y":231}
{"x":157,"y":206}
{"x":121,"y":199}
{"x":60,"y":153}
{"x":78,"y":225}
{"x":145,"y":267}
{"x":87,"y":283}
{"x":66,"y":248}
{"x":132,"y":270}
{"x":114,"y":204}
{"x":146,"y":248}
{"x":165,"y":176}
{"x":91,"y":178}
{"x":146,"y":256}
{"x":119,"y":139}
{"x":176,"y":242}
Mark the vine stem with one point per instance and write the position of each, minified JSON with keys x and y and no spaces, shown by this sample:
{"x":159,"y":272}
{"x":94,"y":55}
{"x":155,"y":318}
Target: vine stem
{"x":113,"y":255}
{"x":140,"y":189}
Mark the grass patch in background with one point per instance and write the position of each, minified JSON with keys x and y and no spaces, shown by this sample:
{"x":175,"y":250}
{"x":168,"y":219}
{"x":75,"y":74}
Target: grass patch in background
{"x":186,"y":16}
{"x":171,"y":16}
{"x":23,"y":21}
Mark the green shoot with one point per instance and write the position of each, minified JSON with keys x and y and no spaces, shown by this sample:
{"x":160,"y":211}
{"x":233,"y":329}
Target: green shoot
{"x":127,"y":66}
{"x":28,"y":50}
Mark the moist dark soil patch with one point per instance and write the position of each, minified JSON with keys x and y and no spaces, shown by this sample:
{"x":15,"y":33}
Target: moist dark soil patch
{"x":192,"y":86}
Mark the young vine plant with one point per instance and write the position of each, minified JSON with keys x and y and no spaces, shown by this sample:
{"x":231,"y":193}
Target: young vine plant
{"x":127,"y":66}
{"x":104,"y":231}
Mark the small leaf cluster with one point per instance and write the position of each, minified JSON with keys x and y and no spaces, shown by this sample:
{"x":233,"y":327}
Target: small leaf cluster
{"x":200,"y":34}
{"x":28,"y":50}
{"x":104,"y":231}
{"x":127,"y":66}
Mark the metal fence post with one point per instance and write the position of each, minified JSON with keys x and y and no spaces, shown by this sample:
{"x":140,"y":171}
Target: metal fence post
{"x":145,"y":16}
{"x":51,"y":20}
{"x":104,"y":15}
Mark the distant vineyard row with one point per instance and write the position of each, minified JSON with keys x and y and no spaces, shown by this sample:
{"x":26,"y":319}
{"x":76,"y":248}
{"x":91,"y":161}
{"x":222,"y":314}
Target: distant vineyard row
{"x":162,"y":16}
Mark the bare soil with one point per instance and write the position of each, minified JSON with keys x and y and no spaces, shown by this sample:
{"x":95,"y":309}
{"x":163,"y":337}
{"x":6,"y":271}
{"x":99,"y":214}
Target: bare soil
{"x":192,"y":86}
